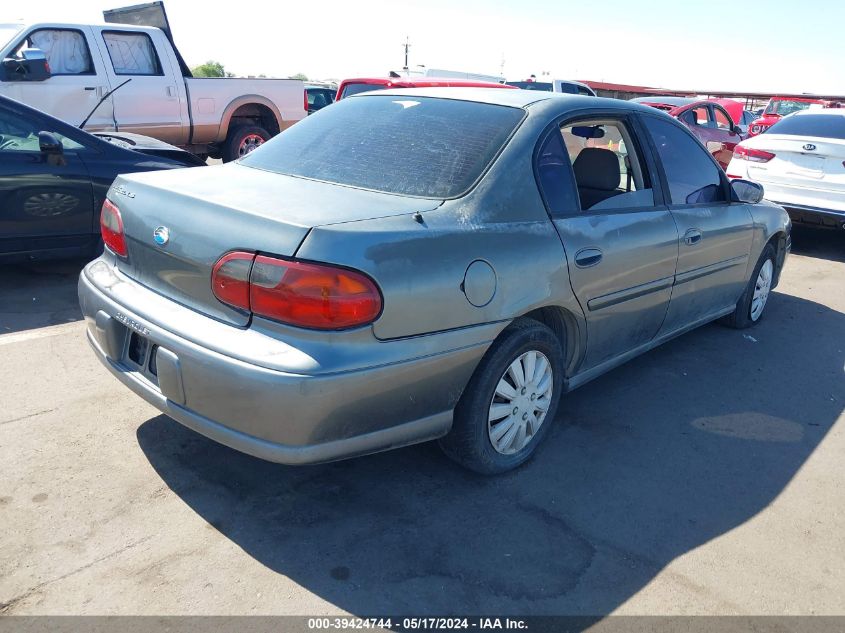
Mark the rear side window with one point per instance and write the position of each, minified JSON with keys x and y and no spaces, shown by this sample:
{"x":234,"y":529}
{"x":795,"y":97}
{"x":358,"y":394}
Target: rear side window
{"x":354,"y":89}
{"x":693,"y":176}
{"x":821,"y":125}
{"x":414,"y":146}
{"x":132,"y":53}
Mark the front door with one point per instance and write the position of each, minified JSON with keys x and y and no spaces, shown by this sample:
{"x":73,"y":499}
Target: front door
{"x":714,"y":233}
{"x":77,"y":83}
{"x":46,"y":201}
{"x":621,"y":244}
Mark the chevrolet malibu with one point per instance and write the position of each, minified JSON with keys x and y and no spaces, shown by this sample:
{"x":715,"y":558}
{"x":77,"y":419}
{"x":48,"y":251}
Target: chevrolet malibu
{"x":435,"y":263}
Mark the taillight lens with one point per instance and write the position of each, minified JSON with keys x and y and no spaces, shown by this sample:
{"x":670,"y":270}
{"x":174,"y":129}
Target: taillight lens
{"x":230,"y":279}
{"x":111,"y":228}
{"x":305,"y":99}
{"x":753,"y":155}
{"x":312,"y":295}
{"x":304,"y":294}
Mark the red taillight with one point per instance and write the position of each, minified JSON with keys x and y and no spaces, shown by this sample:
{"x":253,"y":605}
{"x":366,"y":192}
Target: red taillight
{"x":312,"y":295}
{"x":230,"y":279}
{"x":305,"y":100}
{"x":317,"y":296}
{"x":753,"y":155}
{"x":111,"y":228}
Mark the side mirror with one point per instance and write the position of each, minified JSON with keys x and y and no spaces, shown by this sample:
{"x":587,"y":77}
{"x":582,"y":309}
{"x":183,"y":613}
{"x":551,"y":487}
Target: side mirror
{"x":737,"y":130}
{"x":49,"y":144}
{"x":746,"y":191}
{"x":32,"y":66}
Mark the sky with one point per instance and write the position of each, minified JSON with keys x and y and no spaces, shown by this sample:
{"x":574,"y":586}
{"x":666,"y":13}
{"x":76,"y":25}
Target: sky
{"x":773,"y":46}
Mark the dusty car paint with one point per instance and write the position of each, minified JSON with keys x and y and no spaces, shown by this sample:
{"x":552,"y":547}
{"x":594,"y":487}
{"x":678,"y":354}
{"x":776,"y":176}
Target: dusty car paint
{"x":293,"y":395}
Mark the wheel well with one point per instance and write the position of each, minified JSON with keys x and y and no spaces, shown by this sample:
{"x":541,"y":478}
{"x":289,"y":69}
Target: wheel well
{"x":563,"y":324}
{"x":254,"y":114}
{"x":778,"y":240}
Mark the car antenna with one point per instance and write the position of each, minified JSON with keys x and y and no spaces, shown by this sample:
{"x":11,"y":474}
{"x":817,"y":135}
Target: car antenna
{"x":103,"y":98}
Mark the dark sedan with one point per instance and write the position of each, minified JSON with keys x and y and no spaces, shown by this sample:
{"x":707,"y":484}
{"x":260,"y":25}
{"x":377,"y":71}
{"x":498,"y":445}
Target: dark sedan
{"x":54,"y":178}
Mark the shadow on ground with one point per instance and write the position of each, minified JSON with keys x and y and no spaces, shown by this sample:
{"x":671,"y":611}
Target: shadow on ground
{"x":818,"y":243}
{"x":652,"y":460}
{"x":35,"y":295}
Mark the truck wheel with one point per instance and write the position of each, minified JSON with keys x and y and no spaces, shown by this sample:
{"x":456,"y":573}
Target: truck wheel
{"x":242,"y":140}
{"x":510,"y":401}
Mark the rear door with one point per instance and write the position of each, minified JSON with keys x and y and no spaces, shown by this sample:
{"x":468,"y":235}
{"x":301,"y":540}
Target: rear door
{"x":714,"y":233}
{"x":620,"y":240}
{"x":725,"y":136}
{"x":150,"y":102}
{"x":46,"y":201}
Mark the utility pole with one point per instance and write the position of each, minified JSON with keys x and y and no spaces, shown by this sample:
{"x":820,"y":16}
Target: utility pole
{"x":407,"y":45}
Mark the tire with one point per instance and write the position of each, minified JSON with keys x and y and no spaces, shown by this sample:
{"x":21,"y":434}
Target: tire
{"x":470,"y":442}
{"x":239,"y":139}
{"x":748,"y":311}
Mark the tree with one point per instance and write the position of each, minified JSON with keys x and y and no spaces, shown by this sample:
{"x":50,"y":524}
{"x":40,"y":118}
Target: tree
{"x":210,"y":69}
{"x":300,"y":76}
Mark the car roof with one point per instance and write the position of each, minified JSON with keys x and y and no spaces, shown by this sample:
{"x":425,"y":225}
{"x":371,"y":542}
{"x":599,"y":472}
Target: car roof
{"x":514,"y":98}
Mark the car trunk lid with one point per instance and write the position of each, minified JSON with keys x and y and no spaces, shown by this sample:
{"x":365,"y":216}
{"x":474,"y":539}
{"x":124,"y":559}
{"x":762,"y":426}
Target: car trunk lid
{"x":811,"y":162}
{"x":209,"y":211}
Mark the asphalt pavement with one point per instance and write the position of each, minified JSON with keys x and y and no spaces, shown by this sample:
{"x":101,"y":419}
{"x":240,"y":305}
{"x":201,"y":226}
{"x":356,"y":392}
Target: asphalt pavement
{"x":705,"y":477}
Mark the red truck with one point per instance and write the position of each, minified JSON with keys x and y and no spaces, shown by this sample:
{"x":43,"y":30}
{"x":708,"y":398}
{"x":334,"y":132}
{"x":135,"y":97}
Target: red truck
{"x":349,"y":87}
{"x":779,"y":107}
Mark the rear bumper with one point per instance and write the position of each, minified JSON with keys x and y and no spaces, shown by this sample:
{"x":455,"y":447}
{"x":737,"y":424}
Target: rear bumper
{"x":804,"y":214}
{"x":287,"y":416}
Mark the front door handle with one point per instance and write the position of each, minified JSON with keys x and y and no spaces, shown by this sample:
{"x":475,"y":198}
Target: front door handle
{"x":587,"y":257}
{"x":691,"y":237}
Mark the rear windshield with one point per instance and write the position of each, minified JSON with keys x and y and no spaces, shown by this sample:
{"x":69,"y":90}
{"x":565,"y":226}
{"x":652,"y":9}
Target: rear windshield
{"x":354,"y":89}
{"x":821,"y":125}
{"x":414,"y":146}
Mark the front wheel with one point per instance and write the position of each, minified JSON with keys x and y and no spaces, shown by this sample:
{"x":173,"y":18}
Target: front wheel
{"x":510,"y":401}
{"x":749,"y":308}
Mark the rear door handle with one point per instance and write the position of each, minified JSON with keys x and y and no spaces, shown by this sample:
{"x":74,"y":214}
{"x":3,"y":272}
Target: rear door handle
{"x":587,"y":257}
{"x":691,"y":237}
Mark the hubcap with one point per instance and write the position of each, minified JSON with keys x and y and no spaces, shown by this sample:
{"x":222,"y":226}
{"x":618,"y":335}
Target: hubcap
{"x":761,"y":290}
{"x":520,"y":403}
{"x":249,"y":143}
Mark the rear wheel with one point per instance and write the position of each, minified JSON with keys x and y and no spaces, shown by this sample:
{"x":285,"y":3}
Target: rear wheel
{"x":752,"y":303}
{"x":242,"y":140}
{"x":510,"y":402}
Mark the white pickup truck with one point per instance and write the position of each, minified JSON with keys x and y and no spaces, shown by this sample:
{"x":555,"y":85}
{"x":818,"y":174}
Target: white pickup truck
{"x":222,"y":117}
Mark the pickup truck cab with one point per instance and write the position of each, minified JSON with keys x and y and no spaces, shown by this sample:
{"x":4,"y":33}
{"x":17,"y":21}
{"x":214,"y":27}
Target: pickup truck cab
{"x":151,"y":94}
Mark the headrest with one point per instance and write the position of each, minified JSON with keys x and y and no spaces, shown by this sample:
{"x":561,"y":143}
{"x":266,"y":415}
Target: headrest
{"x":597,"y":168}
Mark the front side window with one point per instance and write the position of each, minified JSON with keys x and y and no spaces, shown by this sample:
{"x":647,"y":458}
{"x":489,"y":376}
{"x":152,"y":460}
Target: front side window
{"x":132,"y":53}
{"x":692,"y":175}
{"x":723,"y":121}
{"x":608,"y":171}
{"x":66,"y":50}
